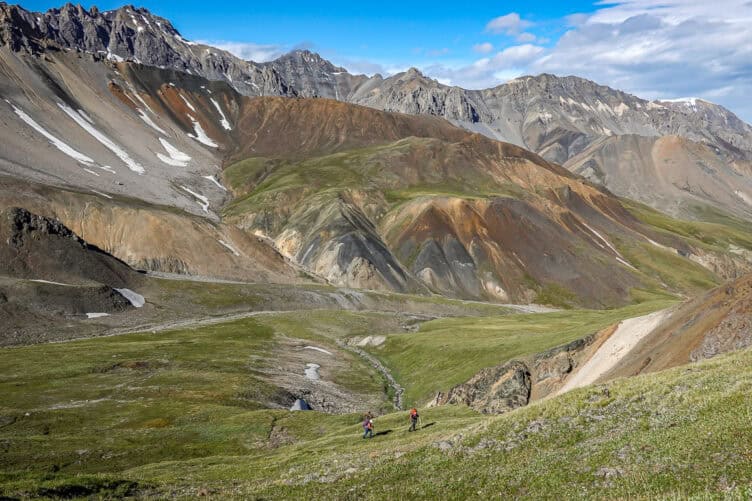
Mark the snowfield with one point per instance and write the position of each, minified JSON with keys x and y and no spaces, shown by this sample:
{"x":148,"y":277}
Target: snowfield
{"x":187,"y":103}
{"x":229,"y":247}
{"x":316,"y":348}
{"x":107,"y":142}
{"x":149,"y":121}
{"x":57,"y":143}
{"x":136,"y":299}
{"x":200,"y":135}
{"x":176,"y":157}
{"x":202,"y":200}
{"x":215,"y":181}
{"x":225,"y":123}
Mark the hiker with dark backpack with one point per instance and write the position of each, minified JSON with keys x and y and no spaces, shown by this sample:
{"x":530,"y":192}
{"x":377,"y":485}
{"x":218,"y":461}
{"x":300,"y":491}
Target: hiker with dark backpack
{"x":414,"y":416}
{"x":368,"y":426}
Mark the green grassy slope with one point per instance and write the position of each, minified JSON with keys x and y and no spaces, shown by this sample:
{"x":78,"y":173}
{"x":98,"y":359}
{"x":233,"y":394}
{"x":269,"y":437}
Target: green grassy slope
{"x":290,"y":197}
{"x":447,"y":352}
{"x":681,"y":433}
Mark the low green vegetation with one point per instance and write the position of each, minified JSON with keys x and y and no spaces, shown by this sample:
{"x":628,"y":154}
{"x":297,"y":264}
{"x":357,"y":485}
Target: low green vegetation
{"x":397,"y":170}
{"x":555,"y":295}
{"x":679,"y":434}
{"x":676,"y":434}
{"x":108,"y":404}
{"x":714,"y":231}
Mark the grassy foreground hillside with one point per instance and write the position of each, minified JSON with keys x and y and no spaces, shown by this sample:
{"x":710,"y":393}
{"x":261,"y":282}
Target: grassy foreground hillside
{"x":182,"y":413}
{"x":679,"y":433}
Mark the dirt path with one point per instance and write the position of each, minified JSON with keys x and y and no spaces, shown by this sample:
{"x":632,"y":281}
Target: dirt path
{"x":630,"y":332}
{"x":398,"y":390}
{"x":178,"y":324}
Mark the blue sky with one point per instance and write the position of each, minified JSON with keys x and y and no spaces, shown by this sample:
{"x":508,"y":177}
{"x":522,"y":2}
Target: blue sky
{"x":653,"y":48}
{"x":389,"y":33}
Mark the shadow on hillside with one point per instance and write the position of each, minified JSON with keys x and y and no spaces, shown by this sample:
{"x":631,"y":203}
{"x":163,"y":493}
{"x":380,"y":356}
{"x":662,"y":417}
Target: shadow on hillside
{"x":385,"y":432}
{"x":428,"y":425}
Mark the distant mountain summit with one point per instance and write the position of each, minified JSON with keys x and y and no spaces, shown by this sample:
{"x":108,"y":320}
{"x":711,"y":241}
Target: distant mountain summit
{"x":136,"y":35}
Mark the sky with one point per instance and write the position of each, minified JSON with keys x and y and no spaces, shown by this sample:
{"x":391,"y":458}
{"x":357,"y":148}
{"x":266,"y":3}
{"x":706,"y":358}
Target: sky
{"x":656,"y":49}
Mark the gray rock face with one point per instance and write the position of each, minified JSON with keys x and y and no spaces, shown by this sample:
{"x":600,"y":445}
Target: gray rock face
{"x":559,"y":117}
{"x":312,"y":76}
{"x":133,"y":34}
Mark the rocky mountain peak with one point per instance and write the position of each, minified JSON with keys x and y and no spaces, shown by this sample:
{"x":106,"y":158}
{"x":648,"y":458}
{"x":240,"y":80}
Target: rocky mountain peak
{"x":304,"y":58}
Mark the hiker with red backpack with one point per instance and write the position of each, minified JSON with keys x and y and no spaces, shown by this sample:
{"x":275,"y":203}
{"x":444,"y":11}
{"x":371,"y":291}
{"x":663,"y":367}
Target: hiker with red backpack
{"x":414,"y":416}
{"x":368,"y":426}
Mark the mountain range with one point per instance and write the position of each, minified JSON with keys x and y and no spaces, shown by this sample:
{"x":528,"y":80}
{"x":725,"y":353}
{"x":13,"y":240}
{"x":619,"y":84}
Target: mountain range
{"x":116,"y":113}
{"x":609,"y":136}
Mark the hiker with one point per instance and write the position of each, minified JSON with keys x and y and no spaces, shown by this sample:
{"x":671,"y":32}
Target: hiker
{"x":414,"y":416}
{"x":368,"y":426}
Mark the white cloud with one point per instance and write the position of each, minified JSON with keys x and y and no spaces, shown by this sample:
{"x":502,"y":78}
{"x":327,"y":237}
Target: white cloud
{"x":490,"y":70}
{"x":517,"y":55}
{"x":248,"y":51}
{"x":525,"y":37}
{"x":654,"y":49}
{"x":483,"y":48}
{"x":669,"y":49}
{"x":509,"y":24}
{"x":576,"y":19}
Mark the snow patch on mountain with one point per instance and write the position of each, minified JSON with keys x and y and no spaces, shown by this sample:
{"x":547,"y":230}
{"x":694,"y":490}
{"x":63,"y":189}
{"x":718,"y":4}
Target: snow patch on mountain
{"x":201,"y":200}
{"x":187,"y":103}
{"x":225,"y":123}
{"x":200,"y":134}
{"x":57,"y":143}
{"x":105,"y":195}
{"x":135,"y":298}
{"x":229,"y":247}
{"x":149,"y":121}
{"x":107,"y":142}
{"x":744,"y":197}
{"x":316,"y":348}
{"x":176,"y":157}
{"x":215,"y":181}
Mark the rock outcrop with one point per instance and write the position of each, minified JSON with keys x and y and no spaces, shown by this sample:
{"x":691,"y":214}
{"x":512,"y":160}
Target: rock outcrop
{"x":133,"y":34}
{"x":36,"y":247}
{"x":513,"y":384}
{"x":493,"y":390}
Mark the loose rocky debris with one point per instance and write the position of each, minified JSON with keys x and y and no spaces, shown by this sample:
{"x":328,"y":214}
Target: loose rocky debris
{"x":307,"y":375}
